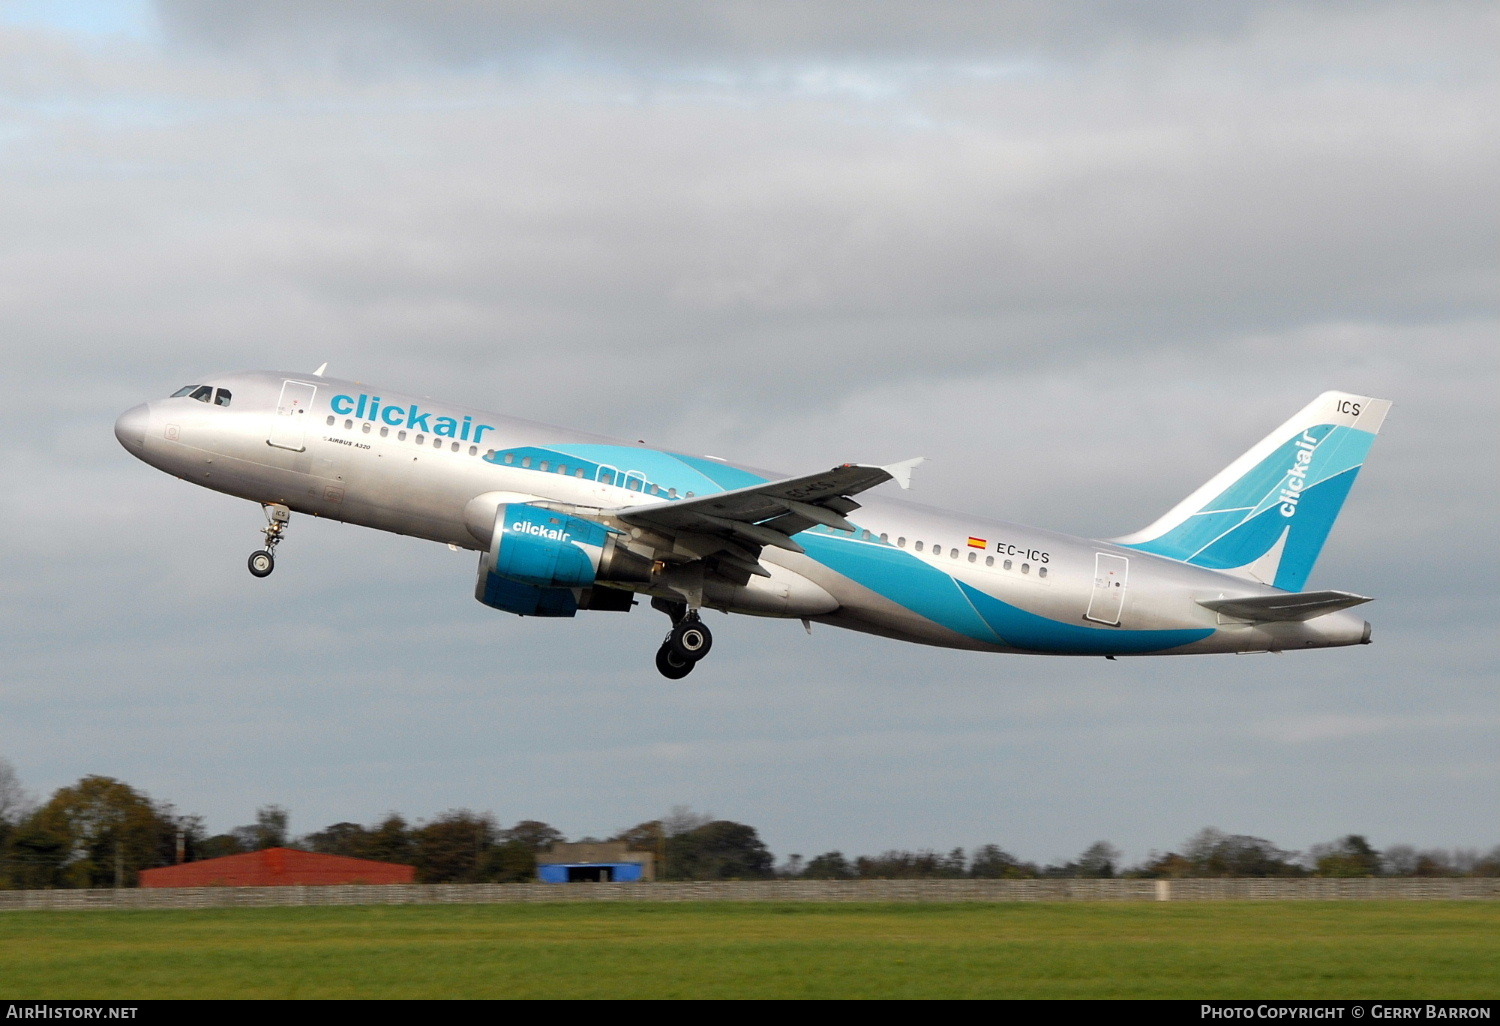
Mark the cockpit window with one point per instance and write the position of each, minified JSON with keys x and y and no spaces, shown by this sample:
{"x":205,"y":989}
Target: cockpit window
{"x":204,"y":394}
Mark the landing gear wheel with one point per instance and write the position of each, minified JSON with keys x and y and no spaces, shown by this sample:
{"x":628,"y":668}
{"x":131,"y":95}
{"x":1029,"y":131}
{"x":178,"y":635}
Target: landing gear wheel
{"x":262,"y":563}
{"x":672,"y":665}
{"x":690,"y":639}
{"x":277,"y":517}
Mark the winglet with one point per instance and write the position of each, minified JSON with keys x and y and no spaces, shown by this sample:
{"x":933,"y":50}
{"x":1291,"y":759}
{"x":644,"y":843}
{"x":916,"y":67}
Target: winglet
{"x":901,"y":472}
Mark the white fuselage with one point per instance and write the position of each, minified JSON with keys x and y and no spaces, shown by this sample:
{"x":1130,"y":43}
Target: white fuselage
{"x":415,"y":466}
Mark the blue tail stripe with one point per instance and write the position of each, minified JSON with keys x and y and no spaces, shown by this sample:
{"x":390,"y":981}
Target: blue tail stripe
{"x":1251,"y":516}
{"x":1028,"y":630}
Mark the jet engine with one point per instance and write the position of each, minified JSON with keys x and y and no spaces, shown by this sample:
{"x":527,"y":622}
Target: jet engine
{"x":545,"y":563}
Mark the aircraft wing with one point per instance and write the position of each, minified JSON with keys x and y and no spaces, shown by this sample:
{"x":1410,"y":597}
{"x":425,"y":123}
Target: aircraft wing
{"x":732,"y":527}
{"x":1292,"y":606}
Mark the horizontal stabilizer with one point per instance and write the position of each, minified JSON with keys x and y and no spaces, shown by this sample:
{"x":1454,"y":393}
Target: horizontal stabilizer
{"x":1294,"y":606}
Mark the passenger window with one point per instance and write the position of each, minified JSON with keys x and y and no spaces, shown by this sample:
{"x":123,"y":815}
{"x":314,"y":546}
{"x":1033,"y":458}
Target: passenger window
{"x":918,"y":546}
{"x":510,"y":457}
{"x":419,"y":438}
{"x":671,"y":493}
{"x":901,"y":542}
{"x":385,"y":432}
{"x":330,"y":420}
{"x":1041,"y":571}
{"x":221,"y":397}
{"x":348,"y":425}
{"x":1025,"y":568}
{"x":544,"y":466}
{"x":606,"y":477}
{"x":400,"y":436}
{"x":437,"y":443}
{"x":366,"y":428}
{"x":973,"y":556}
{"x":989,"y":560}
{"x":1007,"y":564}
{"x":473,"y":450}
{"x":562,"y":468}
{"x":578,"y":473}
{"x":526,"y":462}
{"x":884,"y":538}
{"x":454,"y":447}
{"x":868,"y":536}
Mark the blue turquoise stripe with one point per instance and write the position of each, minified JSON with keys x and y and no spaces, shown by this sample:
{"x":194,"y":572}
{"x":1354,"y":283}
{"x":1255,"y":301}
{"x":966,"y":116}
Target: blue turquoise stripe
{"x":1246,"y":521}
{"x":937,"y":596}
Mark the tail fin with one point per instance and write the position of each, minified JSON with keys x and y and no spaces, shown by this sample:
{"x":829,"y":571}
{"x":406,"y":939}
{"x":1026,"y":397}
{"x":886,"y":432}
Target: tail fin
{"x":1266,"y":516}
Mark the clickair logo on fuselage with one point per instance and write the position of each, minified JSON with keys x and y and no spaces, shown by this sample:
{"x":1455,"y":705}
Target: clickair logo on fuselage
{"x":412,"y":417}
{"x":1296,"y":475}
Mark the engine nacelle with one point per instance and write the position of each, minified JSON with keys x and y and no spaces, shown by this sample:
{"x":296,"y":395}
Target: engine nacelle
{"x":545,"y":549}
{"x":543,"y":563}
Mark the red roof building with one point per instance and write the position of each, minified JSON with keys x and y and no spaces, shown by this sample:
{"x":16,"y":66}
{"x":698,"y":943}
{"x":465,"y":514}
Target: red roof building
{"x":278,"y":867}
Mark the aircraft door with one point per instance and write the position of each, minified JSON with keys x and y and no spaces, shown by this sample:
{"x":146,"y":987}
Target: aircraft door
{"x":288,"y":430}
{"x":1108,"y":595}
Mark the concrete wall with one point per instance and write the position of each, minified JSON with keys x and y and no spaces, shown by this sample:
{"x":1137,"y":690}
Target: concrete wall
{"x":768,"y":890}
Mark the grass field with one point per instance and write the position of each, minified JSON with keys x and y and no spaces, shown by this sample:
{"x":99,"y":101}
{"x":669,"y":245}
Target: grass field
{"x":1343,"y":950}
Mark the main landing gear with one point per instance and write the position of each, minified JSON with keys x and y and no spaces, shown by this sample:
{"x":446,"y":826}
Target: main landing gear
{"x":263,"y":561}
{"x":687,"y":642}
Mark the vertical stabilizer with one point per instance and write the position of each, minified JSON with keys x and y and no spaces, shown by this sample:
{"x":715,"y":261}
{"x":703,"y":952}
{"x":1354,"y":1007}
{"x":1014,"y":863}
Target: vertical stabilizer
{"x":1266,"y":516}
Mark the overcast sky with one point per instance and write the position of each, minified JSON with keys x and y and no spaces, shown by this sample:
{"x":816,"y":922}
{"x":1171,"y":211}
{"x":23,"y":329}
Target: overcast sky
{"x":1080,"y":255}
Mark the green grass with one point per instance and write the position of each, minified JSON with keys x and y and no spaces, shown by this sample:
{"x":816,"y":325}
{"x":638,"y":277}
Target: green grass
{"x":1330,"y":950}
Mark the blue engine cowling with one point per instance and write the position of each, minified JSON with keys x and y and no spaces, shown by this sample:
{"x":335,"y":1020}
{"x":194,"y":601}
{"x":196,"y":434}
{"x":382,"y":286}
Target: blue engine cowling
{"x":538,"y":560}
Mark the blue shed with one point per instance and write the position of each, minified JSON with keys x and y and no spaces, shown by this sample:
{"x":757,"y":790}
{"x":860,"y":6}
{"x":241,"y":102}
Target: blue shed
{"x":595,"y":862}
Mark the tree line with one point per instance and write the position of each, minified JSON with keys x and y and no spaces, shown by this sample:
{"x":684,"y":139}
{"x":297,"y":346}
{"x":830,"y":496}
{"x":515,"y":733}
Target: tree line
{"x":101,"y":832}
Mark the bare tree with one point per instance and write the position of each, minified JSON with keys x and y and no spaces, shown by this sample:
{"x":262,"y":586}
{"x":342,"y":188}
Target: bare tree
{"x":15,"y":802}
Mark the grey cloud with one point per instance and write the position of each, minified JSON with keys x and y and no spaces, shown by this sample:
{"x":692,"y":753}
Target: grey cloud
{"x":1081,"y":290}
{"x":468,"y":32}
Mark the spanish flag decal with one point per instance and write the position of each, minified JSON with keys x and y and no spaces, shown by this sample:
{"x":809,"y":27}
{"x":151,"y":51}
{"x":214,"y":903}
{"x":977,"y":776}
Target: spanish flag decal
{"x":978,"y":543}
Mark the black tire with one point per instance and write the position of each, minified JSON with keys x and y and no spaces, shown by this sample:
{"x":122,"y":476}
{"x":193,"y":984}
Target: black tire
{"x":690,"y":640}
{"x":261,"y":563}
{"x":671,"y":665}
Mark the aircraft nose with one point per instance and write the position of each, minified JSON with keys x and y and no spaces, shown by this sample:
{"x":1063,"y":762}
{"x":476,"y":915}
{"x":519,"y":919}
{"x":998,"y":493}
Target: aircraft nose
{"x":130,"y":429}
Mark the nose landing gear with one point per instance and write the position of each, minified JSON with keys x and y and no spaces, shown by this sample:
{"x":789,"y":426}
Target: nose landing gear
{"x":262,"y":562}
{"x":686,"y":643}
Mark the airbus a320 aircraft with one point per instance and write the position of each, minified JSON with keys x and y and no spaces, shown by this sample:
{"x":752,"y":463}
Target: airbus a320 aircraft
{"x":566,"y":521}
